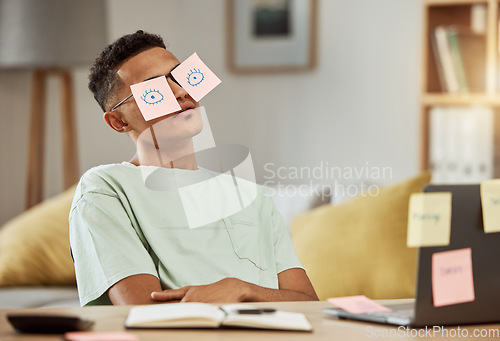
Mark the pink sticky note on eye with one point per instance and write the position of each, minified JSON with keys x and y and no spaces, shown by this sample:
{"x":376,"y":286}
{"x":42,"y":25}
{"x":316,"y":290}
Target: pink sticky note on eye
{"x":195,"y":77}
{"x":452,"y":280}
{"x":358,"y":304}
{"x":155,"y":98}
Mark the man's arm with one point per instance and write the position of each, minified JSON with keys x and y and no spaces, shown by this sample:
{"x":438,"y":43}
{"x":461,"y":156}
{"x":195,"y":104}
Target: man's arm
{"x":134,"y":289}
{"x":294,"y":285}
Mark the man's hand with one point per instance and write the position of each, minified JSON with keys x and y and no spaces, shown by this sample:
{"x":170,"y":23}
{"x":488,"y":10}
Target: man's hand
{"x":294,"y":285}
{"x":227,"y":290}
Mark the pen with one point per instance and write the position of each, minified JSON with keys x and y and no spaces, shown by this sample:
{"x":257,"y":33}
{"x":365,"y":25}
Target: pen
{"x":256,"y":311}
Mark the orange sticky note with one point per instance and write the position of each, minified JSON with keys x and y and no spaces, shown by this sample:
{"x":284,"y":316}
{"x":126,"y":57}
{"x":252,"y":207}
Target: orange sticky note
{"x":195,"y":77}
{"x":358,"y":304}
{"x":452,"y":280}
{"x":155,"y":98}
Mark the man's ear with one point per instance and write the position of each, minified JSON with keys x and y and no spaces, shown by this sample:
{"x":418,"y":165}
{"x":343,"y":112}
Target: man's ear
{"x":116,"y":122}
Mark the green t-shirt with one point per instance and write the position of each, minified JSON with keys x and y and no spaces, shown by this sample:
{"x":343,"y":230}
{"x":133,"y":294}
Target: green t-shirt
{"x":186,"y":227}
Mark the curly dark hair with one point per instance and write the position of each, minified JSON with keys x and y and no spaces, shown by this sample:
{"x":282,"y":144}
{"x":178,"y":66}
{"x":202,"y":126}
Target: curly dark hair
{"x":102,"y":77}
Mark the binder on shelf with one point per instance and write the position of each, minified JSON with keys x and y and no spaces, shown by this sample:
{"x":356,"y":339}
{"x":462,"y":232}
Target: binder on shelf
{"x":461,"y":144}
{"x":437,"y":152}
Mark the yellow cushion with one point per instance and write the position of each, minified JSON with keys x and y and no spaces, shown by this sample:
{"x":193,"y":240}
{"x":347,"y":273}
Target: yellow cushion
{"x":34,"y":247}
{"x":359,"y":247}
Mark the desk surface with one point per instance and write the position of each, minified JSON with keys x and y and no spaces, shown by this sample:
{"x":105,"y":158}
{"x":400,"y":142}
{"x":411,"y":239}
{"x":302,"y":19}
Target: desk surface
{"x":111,"y":318}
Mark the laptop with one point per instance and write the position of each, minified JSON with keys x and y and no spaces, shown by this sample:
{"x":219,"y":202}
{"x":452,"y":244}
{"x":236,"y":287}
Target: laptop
{"x":466,"y":231}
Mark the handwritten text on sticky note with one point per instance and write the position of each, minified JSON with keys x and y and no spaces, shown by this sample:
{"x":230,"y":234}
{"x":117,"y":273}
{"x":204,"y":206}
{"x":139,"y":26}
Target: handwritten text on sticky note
{"x":490,"y":201}
{"x":195,"y":77}
{"x":429,"y":219}
{"x":358,"y":304}
{"x":452,"y":280}
{"x":154,"y":98}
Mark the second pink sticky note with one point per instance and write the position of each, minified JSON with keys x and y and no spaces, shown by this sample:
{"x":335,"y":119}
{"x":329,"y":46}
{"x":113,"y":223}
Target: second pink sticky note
{"x":195,"y":77}
{"x":452,"y":280}
{"x":358,"y":304}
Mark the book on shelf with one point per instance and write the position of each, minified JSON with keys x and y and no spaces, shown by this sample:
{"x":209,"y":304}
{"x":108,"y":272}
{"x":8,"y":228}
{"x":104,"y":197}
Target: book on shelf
{"x":460,"y":56}
{"x":442,"y":53}
{"x":203,"y":315}
{"x":461,"y":144}
{"x":456,"y":57}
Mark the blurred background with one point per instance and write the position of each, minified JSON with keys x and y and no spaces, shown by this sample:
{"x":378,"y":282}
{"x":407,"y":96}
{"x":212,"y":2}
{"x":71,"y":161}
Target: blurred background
{"x":358,"y":107}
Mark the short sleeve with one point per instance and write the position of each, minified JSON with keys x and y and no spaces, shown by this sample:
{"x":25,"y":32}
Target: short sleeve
{"x":285,"y":255}
{"x":105,"y":246}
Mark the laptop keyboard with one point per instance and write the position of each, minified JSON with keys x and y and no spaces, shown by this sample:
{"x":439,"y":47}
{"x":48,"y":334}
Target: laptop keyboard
{"x":400,"y":311}
{"x":407,"y":313}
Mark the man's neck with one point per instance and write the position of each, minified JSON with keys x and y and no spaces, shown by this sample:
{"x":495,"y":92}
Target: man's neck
{"x":187,"y":162}
{"x":171,"y":154}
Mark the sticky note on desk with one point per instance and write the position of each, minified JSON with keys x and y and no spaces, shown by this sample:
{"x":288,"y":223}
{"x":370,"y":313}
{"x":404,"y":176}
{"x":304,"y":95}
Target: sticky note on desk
{"x":429,"y":219}
{"x":358,"y":304}
{"x":490,"y":201}
{"x":452,"y":280}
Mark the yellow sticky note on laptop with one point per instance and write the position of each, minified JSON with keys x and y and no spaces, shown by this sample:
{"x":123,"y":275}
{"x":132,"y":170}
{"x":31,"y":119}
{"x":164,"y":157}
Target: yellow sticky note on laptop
{"x":490,"y":201}
{"x":429,"y":219}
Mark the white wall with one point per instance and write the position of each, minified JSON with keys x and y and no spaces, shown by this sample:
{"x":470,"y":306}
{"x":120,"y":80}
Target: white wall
{"x":359,"y":107}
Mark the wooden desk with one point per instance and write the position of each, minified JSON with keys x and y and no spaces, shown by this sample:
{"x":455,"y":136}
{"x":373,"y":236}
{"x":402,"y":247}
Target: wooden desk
{"x":109,"y":318}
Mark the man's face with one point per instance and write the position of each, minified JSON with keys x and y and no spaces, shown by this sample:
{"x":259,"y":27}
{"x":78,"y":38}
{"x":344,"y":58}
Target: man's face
{"x":150,"y":64}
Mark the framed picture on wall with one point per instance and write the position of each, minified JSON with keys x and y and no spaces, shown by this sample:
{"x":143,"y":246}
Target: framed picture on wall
{"x":271,"y":35}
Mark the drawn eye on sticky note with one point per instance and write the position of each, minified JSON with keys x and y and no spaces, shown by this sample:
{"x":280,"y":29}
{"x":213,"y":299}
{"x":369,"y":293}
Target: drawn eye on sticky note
{"x":155,"y":98}
{"x":152,"y":96}
{"x":452,"y":279}
{"x":429,"y":219}
{"x":195,"y":77}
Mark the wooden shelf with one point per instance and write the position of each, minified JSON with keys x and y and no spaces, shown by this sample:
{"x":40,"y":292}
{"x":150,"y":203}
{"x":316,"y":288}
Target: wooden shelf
{"x":432,"y":99}
{"x":482,"y":54}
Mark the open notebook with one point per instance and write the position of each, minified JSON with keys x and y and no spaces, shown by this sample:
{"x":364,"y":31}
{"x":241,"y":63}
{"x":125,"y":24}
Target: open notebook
{"x":202,"y":315}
